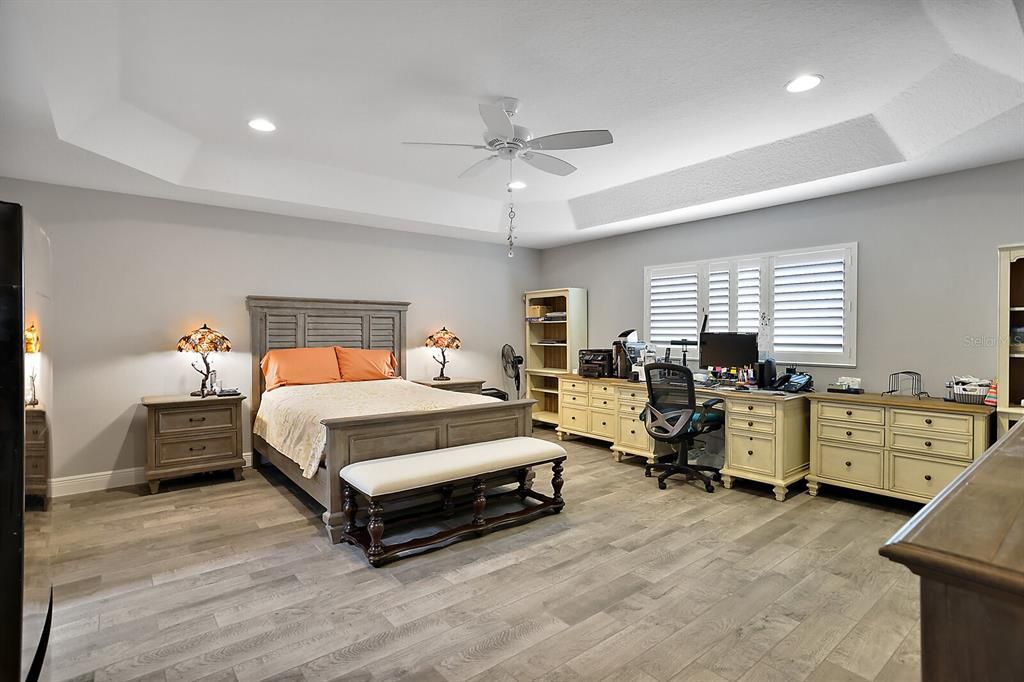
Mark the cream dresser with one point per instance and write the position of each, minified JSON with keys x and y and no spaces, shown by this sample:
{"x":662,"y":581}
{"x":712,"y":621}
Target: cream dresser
{"x":898,"y":446}
{"x":765,"y":434}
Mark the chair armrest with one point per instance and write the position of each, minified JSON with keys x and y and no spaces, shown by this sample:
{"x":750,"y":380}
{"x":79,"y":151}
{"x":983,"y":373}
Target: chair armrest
{"x":711,"y":402}
{"x":705,"y":407}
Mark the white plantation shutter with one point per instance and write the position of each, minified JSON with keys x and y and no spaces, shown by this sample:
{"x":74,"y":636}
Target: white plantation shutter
{"x":673,"y":299}
{"x":718,"y":300}
{"x":807,"y":298}
{"x":809,"y":295}
{"x":748,"y":298}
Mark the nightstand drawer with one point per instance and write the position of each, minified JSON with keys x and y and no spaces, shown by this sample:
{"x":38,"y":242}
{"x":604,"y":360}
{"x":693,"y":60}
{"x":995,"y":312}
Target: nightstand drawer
{"x":183,"y":420}
{"x":35,"y":466}
{"x":574,"y":385}
{"x":194,"y":450}
{"x":35,"y":431}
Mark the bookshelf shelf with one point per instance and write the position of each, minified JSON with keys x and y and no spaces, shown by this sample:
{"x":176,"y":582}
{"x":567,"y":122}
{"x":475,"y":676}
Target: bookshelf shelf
{"x":552,"y":346}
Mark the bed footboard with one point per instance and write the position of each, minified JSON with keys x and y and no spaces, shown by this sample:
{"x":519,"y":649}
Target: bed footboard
{"x":355,"y":439}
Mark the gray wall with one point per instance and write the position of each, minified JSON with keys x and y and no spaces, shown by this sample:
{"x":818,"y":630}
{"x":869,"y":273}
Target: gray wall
{"x":131,"y":275}
{"x":926,"y":275}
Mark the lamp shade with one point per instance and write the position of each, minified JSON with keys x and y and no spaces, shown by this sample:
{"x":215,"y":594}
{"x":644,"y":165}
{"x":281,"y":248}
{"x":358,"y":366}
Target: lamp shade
{"x":204,"y":340}
{"x":32,"y":339}
{"x":443,"y":338}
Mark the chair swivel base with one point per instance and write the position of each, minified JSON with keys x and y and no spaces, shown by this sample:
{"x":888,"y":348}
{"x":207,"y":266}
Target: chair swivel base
{"x":688,"y":470}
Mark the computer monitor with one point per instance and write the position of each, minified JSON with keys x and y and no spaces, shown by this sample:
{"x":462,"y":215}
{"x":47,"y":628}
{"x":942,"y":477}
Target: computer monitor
{"x":728,"y":349}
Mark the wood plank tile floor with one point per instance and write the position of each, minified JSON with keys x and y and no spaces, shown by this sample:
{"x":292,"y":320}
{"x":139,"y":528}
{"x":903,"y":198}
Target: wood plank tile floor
{"x":223,"y":580}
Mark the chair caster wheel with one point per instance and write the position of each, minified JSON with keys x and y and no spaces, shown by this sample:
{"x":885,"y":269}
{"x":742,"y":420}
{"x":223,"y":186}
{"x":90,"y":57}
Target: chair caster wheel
{"x":710,"y":488}
{"x":662,"y":485}
{"x":647,"y":473}
{"x":717,"y":477}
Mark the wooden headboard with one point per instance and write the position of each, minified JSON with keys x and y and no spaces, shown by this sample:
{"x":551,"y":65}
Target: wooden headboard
{"x":284,"y":322}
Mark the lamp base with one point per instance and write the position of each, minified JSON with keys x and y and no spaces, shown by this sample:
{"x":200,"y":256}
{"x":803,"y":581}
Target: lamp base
{"x":442,"y":378}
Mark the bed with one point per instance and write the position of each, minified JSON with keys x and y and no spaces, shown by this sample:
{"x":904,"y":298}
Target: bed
{"x":284,"y":322}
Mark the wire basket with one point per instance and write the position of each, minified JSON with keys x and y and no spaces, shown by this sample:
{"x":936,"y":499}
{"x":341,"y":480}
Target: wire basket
{"x":970,"y":394}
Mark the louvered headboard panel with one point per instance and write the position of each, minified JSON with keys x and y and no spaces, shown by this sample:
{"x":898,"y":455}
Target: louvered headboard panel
{"x":283,"y":322}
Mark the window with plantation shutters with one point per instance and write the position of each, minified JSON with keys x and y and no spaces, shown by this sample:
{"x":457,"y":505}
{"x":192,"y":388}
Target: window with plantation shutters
{"x":673,"y":305}
{"x":801,"y":304}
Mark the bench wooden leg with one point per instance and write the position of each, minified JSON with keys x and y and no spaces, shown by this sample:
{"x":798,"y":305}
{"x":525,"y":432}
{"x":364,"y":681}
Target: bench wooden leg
{"x":521,"y":475}
{"x":375,"y":527}
{"x":447,"y":505}
{"x":349,"y":509}
{"x":479,"y":502}
{"x":557,"y":481}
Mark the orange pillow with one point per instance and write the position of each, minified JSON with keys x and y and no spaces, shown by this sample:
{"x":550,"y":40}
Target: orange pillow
{"x":299,"y":366}
{"x":357,"y":364}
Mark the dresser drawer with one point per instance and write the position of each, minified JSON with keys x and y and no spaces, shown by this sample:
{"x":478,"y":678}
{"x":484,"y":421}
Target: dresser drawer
{"x":602,"y":389}
{"x":575,"y":399}
{"x":751,"y":407}
{"x":745,"y":423}
{"x":637,"y":394}
{"x":850,"y":433}
{"x":851,"y":464}
{"x":194,"y":450}
{"x":183,"y":420}
{"x":573,"y":418}
{"x":603,"y":402}
{"x":920,"y":476}
{"x":634,"y":409}
{"x":633,"y":433}
{"x":848,"y":412}
{"x":574,"y":385}
{"x":35,"y":465}
{"x":927,"y":443}
{"x":603,"y":424}
{"x":932,"y":421}
{"x":752,"y":452}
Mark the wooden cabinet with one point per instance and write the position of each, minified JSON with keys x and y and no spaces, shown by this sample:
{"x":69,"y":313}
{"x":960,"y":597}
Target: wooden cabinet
{"x":765,"y":434}
{"x":893,"y":445}
{"x":453,"y":384}
{"x":552,"y":345}
{"x":187,"y":435}
{"x":1010,"y":339}
{"x":37,"y":455}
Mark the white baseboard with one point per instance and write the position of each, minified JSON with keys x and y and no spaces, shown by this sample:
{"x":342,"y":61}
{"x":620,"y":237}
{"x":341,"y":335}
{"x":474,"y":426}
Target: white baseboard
{"x":106,"y":480}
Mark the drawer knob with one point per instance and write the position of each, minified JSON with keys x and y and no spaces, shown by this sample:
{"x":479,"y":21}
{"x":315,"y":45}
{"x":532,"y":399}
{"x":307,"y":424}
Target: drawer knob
{"x":927,"y":477}
{"x":632,"y":432}
{"x":199,"y":449}
{"x":927,"y":443}
{"x":750,"y":452}
{"x":849,"y":463}
{"x":849,"y":434}
{"x":604,"y":424}
{"x":573,"y":418}
{"x":632,"y":409}
{"x":849,"y":413}
{"x":928,"y":422}
{"x":750,"y":423}
{"x":197,"y":419}
{"x":750,"y":407}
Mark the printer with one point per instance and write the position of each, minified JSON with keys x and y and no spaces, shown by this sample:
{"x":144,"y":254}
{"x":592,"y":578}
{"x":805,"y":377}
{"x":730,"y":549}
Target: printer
{"x":597,"y":363}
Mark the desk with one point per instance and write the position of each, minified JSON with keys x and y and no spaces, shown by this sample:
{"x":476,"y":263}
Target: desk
{"x":766,"y":435}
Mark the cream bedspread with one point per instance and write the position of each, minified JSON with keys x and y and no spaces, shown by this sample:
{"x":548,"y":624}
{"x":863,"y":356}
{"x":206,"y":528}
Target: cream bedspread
{"x":289,"y":417}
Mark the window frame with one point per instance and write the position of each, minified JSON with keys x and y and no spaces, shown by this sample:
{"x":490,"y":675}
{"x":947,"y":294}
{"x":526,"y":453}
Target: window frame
{"x":766,"y":262}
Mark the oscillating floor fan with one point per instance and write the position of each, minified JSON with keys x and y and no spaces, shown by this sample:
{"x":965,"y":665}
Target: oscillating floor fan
{"x":511,"y":362}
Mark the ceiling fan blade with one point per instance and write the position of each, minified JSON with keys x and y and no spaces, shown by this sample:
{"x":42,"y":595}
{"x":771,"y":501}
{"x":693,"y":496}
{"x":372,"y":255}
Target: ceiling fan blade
{"x":574,"y":139}
{"x":478,"y":167}
{"x":497,"y":121}
{"x":448,"y":144}
{"x":548,"y":164}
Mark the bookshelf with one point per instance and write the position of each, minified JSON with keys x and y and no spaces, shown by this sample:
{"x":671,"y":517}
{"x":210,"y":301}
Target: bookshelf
{"x":1011,"y":337}
{"x":554,"y":338}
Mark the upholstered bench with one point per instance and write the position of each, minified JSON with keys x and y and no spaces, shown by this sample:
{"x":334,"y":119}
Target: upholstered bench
{"x":385,"y":480}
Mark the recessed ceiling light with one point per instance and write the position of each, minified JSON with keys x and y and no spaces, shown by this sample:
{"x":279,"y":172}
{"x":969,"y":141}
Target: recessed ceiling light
{"x":807,"y":81}
{"x":262,"y":125}
{"x":517,"y":184}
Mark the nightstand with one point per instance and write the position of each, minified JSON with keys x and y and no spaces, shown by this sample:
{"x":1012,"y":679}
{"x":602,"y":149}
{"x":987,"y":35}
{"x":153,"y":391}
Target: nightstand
{"x":457,"y":385}
{"x":37,"y":454}
{"x":187,"y":435}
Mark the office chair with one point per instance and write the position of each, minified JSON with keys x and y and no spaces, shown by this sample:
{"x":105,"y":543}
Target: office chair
{"x":672,"y":416}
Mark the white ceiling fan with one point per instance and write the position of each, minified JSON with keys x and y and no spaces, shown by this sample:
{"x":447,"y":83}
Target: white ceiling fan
{"x":507,"y":141}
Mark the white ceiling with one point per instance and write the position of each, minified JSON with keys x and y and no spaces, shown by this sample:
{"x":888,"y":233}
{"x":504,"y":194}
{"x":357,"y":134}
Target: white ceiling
{"x":153,"y":98}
